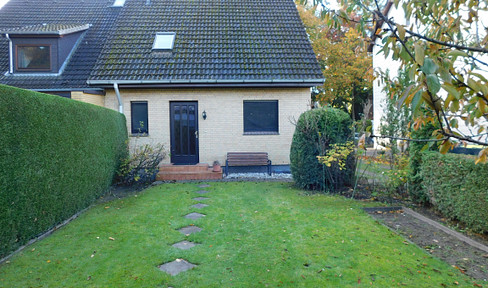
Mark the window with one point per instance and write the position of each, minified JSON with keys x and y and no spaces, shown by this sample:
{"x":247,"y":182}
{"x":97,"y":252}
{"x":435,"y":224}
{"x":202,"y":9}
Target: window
{"x":261,"y":117}
{"x":34,"y":57}
{"x":164,"y":41}
{"x":119,"y":3}
{"x":138,"y":112}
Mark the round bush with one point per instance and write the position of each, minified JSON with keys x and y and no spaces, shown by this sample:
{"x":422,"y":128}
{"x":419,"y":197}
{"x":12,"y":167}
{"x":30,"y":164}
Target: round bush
{"x":315,"y":131}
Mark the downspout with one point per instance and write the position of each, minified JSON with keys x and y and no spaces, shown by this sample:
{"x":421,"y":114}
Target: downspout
{"x":10,"y":54}
{"x":117,"y":92}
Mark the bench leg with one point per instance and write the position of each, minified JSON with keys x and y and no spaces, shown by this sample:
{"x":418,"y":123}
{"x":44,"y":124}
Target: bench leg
{"x":269,"y":167}
{"x":226,"y":168}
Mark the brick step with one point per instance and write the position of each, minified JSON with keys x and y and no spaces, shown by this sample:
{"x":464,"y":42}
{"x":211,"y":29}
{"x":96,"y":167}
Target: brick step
{"x":180,"y":176}
{"x":170,"y":168}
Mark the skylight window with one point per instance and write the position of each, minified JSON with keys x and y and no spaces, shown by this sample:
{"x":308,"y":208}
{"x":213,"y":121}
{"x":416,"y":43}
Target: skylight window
{"x":164,"y":41}
{"x":119,"y":3}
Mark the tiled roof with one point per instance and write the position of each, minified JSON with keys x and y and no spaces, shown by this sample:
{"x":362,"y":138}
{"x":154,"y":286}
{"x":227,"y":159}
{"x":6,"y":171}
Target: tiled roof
{"x":22,"y":13}
{"x":50,"y":29}
{"x":216,"y":40}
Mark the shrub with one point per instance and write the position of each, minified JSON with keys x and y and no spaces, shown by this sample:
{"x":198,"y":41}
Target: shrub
{"x":316,"y":130}
{"x":415,"y":189}
{"x":456,"y":187}
{"x":142,"y":165}
{"x":56,"y":157}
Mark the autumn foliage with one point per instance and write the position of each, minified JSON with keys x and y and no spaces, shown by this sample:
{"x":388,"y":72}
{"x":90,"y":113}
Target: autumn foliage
{"x":345,"y":64}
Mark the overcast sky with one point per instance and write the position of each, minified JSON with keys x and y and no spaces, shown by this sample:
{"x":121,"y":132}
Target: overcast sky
{"x":2,"y":2}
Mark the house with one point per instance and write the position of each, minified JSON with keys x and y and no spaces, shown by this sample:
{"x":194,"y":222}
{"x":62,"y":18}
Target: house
{"x":203,"y":77}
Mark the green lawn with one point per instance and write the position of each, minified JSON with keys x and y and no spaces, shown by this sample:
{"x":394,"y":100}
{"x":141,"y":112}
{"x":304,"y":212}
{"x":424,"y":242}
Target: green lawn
{"x":254,"y":235}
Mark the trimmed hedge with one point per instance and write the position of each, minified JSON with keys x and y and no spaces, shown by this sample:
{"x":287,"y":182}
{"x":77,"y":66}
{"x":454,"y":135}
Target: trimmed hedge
{"x":457,"y":187}
{"x":56,"y":157}
{"x":315,"y":131}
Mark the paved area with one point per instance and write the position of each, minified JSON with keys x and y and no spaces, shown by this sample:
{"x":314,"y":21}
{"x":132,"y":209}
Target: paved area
{"x":176,"y":267}
{"x":194,"y":216}
{"x":181,"y":265}
{"x":202,"y":192}
{"x":199,"y":205}
{"x":184,"y":245}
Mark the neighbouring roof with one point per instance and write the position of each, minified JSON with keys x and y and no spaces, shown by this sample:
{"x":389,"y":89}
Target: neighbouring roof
{"x":46,"y":29}
{"x":59,"y":16}
{"x":217,"y":41}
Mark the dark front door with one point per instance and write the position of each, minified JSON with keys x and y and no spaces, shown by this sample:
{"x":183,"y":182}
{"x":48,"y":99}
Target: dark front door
{"x":184,"y":132}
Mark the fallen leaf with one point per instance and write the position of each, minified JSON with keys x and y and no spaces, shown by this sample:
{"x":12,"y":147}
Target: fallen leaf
{"x":48,"y":261}
{"x":456,"y":282}
{"x":111,"y":238}
{"x":477,"y":285}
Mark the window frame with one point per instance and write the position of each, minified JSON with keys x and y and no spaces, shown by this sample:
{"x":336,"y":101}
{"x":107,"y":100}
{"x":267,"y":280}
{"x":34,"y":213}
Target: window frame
{"x":264,"y":132}
{"x":139,"y":133}
{"x":19,"y":69}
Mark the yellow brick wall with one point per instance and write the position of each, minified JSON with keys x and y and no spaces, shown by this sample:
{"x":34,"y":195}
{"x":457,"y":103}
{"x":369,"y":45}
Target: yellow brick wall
{"x":88,"y":98}
{"x":222,"y":132}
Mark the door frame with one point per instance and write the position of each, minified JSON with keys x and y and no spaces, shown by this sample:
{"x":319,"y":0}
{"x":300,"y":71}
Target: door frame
{"x":181,"y":159}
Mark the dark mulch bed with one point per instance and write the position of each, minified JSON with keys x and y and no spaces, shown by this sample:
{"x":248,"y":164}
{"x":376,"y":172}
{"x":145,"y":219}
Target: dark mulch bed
{"x":462,"y":256}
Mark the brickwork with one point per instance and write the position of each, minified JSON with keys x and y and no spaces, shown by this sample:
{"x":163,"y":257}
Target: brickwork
{"x":88,"y":98}
{"x":222,"y":131}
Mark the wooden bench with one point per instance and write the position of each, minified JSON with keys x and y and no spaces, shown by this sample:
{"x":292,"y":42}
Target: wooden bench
{"x":247,"y":159}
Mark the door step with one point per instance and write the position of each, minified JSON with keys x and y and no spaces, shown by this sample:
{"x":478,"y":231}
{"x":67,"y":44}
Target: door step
{"x":200,"y":171}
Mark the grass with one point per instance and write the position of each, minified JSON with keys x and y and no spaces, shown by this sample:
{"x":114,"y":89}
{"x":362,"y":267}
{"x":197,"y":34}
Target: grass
{"x":254,"y":235}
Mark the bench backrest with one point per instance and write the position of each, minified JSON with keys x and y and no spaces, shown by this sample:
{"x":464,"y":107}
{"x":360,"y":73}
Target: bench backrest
{"x":247,"y":158}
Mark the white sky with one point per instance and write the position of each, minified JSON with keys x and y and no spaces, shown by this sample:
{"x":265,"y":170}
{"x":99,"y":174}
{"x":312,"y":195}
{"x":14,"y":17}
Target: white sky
{"x":2,"y":2}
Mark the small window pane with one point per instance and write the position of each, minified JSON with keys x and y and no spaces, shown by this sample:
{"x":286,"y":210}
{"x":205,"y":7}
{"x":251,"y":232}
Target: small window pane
{"x":164,"y":41}
{"x":260,"y":116}
{"x":139,"y":118}
{"x":34,"y":57}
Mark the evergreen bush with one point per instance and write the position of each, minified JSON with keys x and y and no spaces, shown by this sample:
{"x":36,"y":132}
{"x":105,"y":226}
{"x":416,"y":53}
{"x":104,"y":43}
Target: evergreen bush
{"x":316,"y":130}
{"x":415,"y":188}
{"x":457,"y":187}
{"x":57,"y":156}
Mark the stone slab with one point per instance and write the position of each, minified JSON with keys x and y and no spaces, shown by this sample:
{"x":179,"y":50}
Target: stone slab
{"x":199,"y":205}
{"x":184,"y":245}
{"x":200,"y":198}
{"x":176,"y":267}
{"x":202,"y":192}
{"x":190,"y":230}
{"x":203,"y":186}
{"x":194,"y":216}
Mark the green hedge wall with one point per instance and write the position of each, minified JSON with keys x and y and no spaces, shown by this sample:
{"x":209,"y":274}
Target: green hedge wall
{"x":56,"y":157}
{"x":457,"y":187}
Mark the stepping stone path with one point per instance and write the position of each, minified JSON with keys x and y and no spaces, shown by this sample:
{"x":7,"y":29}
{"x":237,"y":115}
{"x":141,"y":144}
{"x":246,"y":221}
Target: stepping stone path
{"x":202,"y":192}
{"x":176,"y":267}
{"x":199,"y":205}
{"x":194,"y":216}
{"x":190,"y":230}
{"x":180,"y":265}
{"x":184,"y":245}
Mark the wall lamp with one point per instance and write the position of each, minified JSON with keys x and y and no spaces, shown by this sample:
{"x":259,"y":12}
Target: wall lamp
{"x":204,"y":115}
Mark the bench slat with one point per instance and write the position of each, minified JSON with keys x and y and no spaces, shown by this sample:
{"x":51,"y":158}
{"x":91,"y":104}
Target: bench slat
{"x":248,"y":159}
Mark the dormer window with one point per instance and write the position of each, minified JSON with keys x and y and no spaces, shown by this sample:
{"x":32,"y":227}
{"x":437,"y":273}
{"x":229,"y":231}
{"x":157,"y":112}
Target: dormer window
{"x":44,"y":48}
{"x":33,"y":57}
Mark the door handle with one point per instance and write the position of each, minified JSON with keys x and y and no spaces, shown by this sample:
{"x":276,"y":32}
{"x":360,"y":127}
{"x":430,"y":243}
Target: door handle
{"x":196,"y":134}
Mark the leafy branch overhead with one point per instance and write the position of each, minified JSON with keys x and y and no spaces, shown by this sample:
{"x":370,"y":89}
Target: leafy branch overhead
{"x":443,"y":46}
